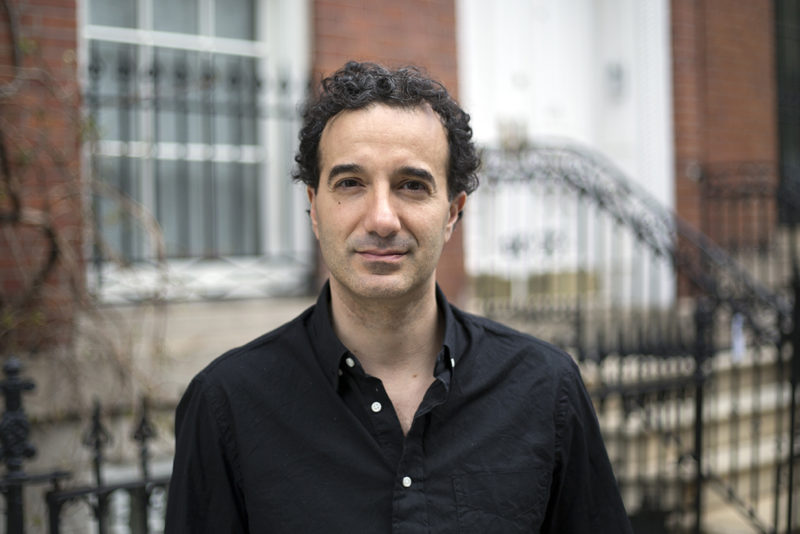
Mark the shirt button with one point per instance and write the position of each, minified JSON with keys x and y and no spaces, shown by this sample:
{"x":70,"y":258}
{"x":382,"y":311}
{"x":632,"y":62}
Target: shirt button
{"x":406,"y":482}
{"x":376,"y":407}
{"x":349,"y":361}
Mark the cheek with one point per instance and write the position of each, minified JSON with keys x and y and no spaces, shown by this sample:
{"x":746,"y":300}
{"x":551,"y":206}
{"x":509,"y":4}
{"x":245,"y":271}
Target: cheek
{"x":335,"y":219}
{"x":433,"y":229}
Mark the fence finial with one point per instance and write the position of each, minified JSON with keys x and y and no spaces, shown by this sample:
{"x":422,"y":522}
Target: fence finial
{"x":144,"y":432}
{"x":97,"y":438}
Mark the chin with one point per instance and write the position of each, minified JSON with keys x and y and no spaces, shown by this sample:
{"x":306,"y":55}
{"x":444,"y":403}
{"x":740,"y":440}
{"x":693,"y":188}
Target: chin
{"x":380,"y":287}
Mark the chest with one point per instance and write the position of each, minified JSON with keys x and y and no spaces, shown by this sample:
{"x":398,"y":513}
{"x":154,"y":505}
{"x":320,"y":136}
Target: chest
{"x":406,"y":396}
{"x":461,"y":467}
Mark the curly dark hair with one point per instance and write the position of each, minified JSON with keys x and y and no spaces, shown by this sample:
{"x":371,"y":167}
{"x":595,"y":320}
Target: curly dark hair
{"x":357,"y":85}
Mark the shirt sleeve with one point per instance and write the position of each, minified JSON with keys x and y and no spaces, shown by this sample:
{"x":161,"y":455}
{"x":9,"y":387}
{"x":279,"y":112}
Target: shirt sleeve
{"x":584,"y":495}
{"x":204,"y":494}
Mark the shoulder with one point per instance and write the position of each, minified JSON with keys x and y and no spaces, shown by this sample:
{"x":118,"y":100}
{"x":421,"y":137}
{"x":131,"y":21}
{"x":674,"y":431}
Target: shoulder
{"x":500,"y":341}
{"x":500,"y":359}
{"x":263,"y":356}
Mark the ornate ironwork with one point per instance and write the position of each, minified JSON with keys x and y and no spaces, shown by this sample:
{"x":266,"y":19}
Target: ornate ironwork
{"x":678,"y":390}
{"x":14,"y":433}
{"x":16,"y":447}
{"x":14,"y":425}
{"x":97,"y":438}
{"x":143,"y":434}
{"x":98,"y":496}
{"x":590,"y":175}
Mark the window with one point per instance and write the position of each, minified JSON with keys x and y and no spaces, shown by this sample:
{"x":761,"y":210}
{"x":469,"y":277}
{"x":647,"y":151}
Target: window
{"x":193,"y":113}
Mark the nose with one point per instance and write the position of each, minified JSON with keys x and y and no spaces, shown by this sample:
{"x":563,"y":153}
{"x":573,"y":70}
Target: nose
{"x":381,"y":216}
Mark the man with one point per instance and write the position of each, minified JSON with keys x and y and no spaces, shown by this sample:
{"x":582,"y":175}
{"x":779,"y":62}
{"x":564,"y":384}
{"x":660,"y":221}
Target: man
{"x":383,"y":408}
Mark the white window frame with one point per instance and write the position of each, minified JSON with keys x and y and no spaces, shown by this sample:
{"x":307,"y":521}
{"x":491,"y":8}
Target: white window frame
{"x":282,"y":48}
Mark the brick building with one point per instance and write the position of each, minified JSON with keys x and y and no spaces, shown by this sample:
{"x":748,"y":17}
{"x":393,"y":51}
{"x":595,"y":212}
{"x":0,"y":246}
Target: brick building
{"x":729,"y":124}
{"x":727,"y":61}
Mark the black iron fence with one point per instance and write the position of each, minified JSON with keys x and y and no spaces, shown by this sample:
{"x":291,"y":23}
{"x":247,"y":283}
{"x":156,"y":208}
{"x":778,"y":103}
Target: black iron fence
{"x":687,"y":342}
{"x":135,"y":504}
{"x":142,"y":499}
{"x":16,"y":448}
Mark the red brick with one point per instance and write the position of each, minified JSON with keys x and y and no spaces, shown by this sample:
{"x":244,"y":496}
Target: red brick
{"x":41,"y":137}
{"x":724,"y":98}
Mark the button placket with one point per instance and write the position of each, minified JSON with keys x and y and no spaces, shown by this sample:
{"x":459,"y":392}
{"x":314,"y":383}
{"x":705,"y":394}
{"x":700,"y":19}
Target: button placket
{"x":410,"y":512}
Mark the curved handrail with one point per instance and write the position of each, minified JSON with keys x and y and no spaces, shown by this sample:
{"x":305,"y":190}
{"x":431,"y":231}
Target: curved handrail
{"x":709,"y":267}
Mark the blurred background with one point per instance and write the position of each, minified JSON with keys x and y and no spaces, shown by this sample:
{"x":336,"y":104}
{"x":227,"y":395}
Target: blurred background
{"x":638,"y":206}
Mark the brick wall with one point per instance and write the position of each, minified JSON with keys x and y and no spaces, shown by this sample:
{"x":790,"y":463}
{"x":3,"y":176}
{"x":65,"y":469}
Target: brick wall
{"x":40,"y":210}
{"x":418,"y":32}
{"x":724,"y":93}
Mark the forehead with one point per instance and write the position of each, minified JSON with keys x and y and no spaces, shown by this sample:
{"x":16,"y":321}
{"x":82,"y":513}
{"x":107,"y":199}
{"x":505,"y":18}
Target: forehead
{"x":411,"y":132}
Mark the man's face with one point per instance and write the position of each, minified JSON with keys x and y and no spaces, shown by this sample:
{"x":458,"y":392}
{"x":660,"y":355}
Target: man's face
{"x":381,"y":211}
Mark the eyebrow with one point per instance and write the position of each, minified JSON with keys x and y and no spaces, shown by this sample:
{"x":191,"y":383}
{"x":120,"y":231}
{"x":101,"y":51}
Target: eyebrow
{"x":417,"y":172}
{"x":344,"y":168}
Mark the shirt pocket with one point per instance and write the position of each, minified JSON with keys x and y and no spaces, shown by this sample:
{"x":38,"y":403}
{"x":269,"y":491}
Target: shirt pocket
{"x":500,"y":502}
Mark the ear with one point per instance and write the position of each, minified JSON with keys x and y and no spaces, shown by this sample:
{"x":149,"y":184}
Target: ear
{"x":456,"y":205}
{"x":312,"y":210}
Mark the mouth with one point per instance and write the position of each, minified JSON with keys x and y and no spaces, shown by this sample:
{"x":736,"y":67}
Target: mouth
{"x":382,"y":255}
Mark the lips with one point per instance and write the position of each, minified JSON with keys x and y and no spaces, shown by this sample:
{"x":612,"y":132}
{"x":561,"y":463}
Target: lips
{"x":381,"y":254}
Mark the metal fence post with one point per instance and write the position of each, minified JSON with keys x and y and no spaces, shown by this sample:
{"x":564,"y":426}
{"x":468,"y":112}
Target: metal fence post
{"x":795,"y":378}
{"x":703,"y":321}
{"x":140,"y":498}
{"x":14,"y":431}
{"x":98,"y":438}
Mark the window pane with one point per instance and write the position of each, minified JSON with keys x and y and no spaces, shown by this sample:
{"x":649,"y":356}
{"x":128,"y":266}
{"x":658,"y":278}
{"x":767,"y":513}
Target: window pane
{"x":120,"y":13}
{"x":235,"y":108}
{"x":203,"y":98}
{"x":172,"y":186}
{"x":236,"y":209}
{"x":179,"y":96}
{"x":175,"y":16}
{"x":235,"y":19}
{"x":112,"y":97}
{"x":119,"y":231}
{"x":199,"y":212}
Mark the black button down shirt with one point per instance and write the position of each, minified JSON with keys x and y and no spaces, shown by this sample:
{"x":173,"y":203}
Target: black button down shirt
{"x":288,"y":434}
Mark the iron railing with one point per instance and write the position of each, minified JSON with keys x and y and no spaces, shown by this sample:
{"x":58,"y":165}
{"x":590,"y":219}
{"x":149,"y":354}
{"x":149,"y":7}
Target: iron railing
{"x":16,"y":448}
{"x":135,"y":504}
{"x":686,"y":347}
{"x":142,"y":499}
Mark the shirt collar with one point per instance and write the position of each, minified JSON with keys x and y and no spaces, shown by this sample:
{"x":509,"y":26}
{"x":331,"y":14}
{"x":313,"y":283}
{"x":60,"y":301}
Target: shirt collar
{"x":330,"y":351}
{"x":451,"y":330}
{"x":327,"y":347}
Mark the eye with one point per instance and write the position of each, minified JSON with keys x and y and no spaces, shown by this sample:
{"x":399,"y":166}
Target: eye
{"x":414,"y":185}
{"x":346,"y":183}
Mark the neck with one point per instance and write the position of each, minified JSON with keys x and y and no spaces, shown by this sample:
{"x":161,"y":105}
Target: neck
{"x":389,"y":336}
